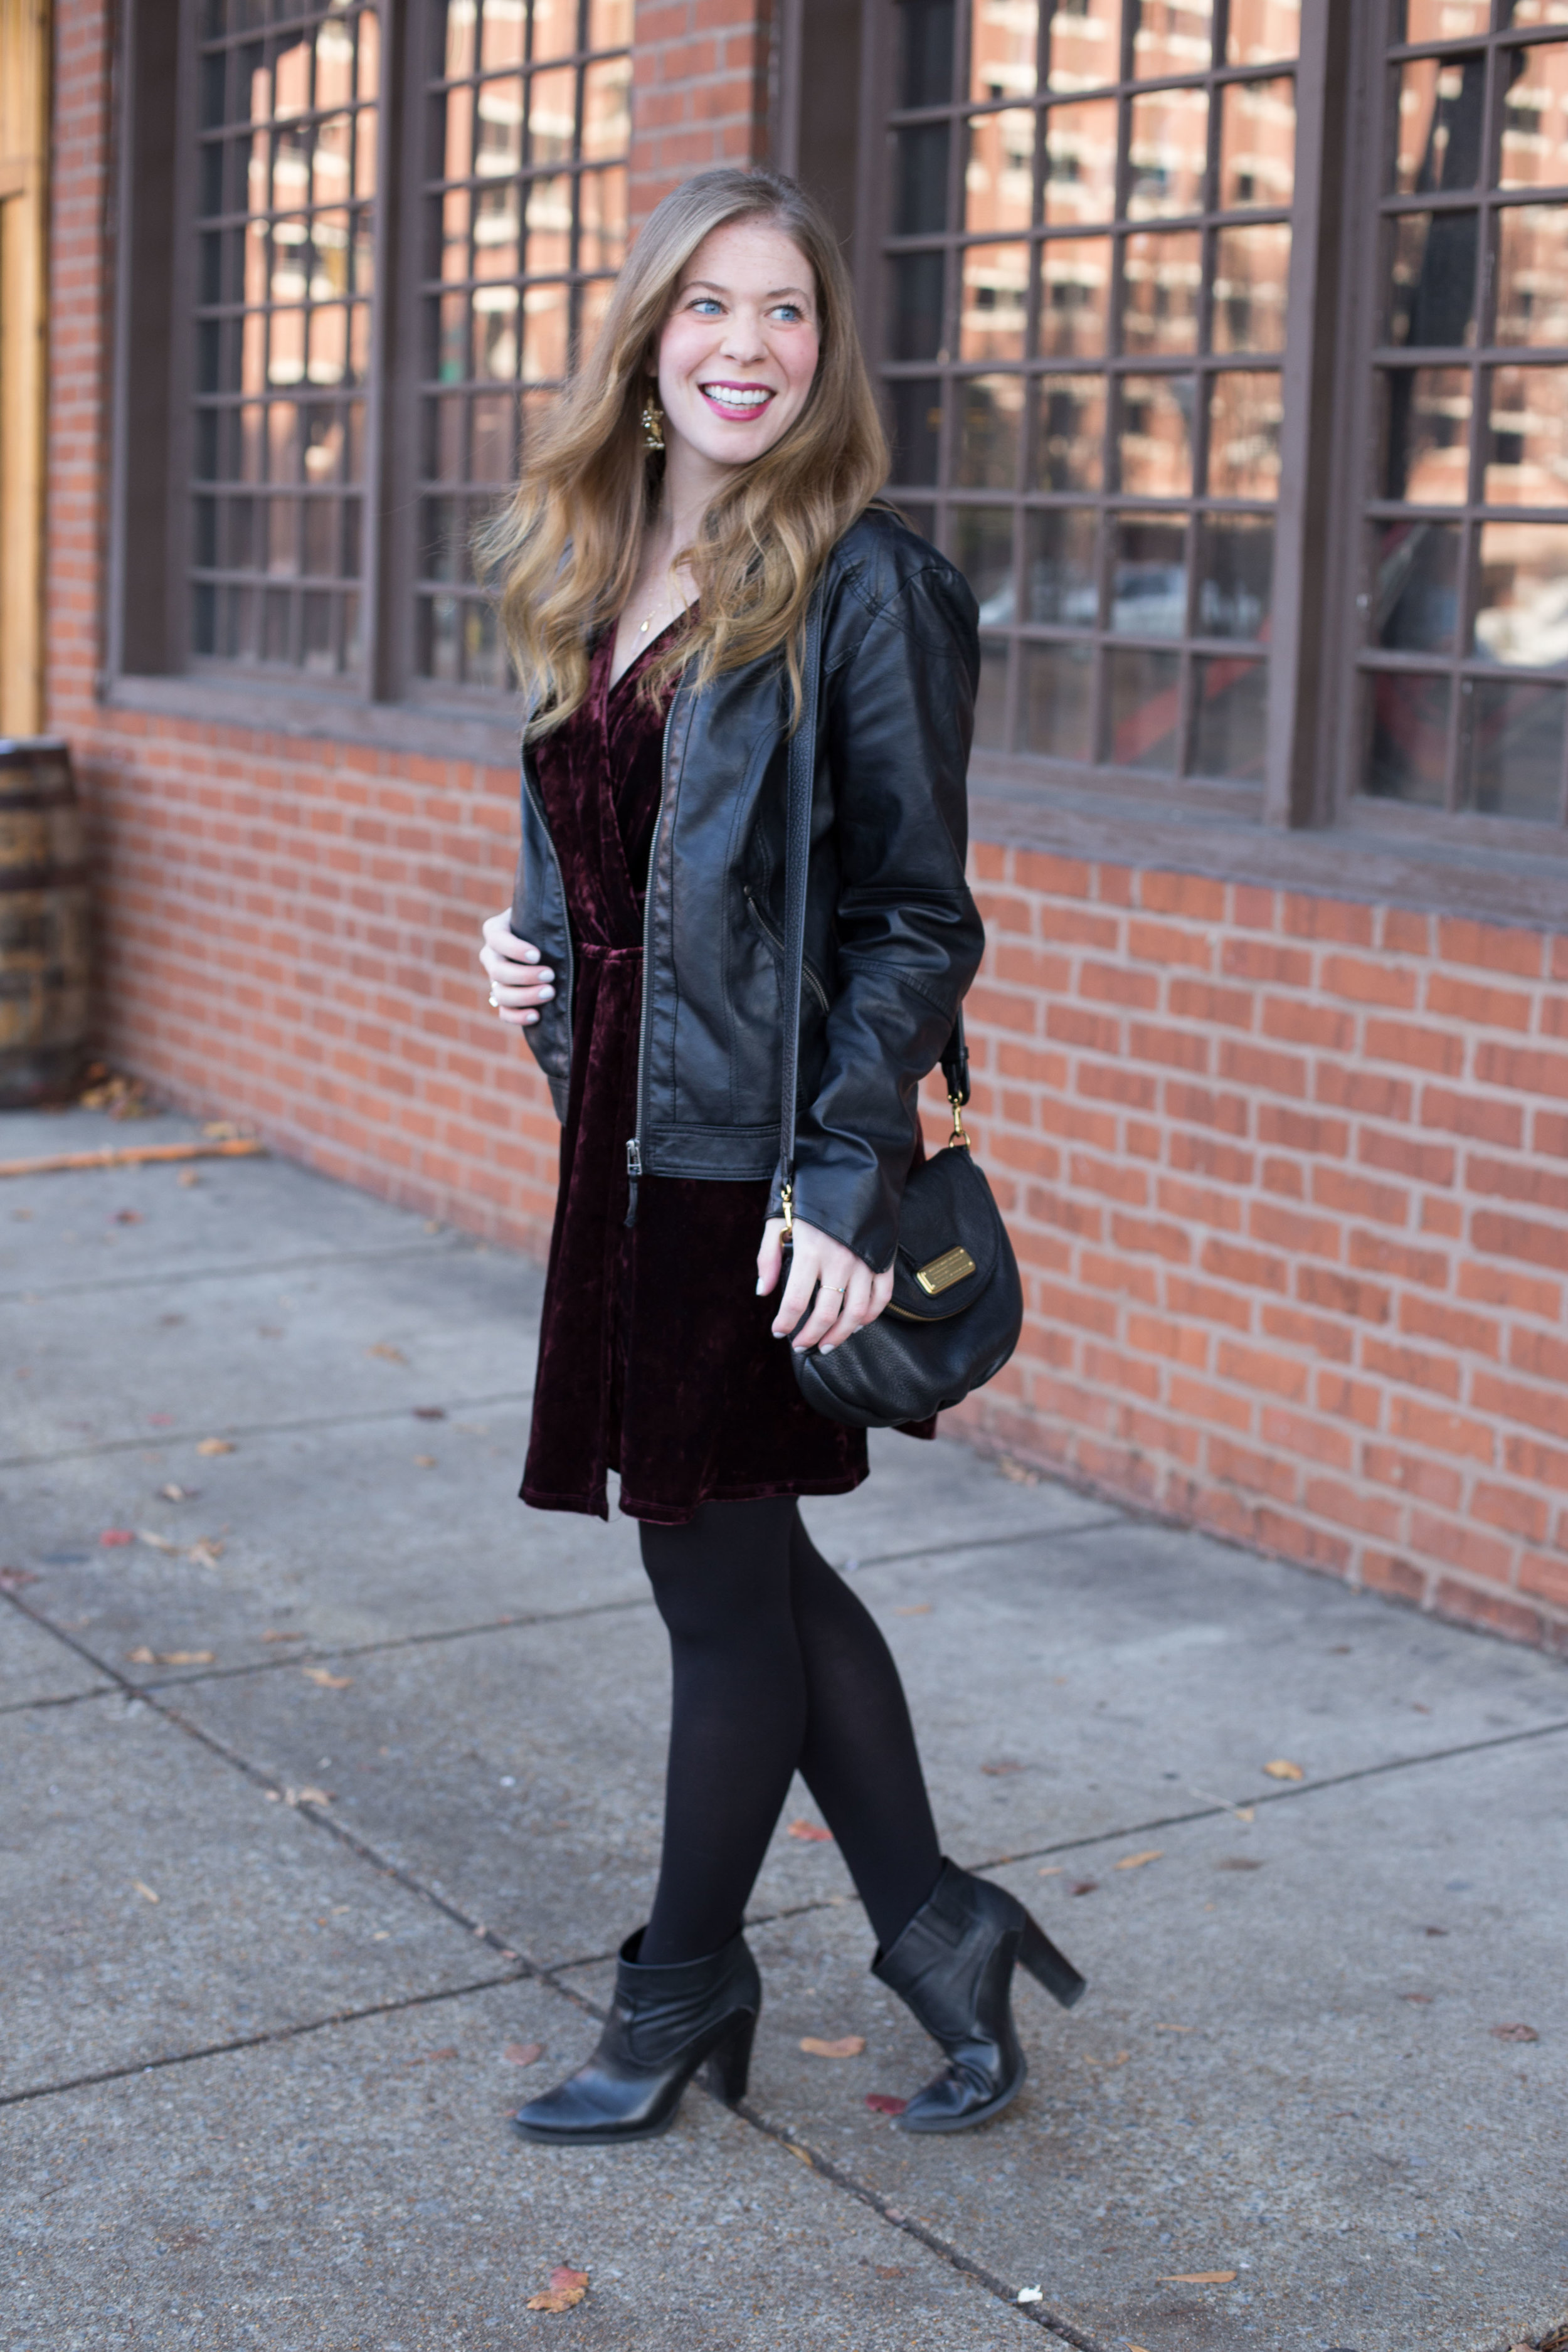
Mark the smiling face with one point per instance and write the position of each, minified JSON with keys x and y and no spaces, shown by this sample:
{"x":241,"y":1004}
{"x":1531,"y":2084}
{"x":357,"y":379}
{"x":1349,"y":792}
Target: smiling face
{"x":738,"y":352}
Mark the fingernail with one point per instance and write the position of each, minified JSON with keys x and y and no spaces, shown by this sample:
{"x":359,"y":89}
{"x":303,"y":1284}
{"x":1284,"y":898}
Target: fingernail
{"x":825,"y":1349}
{"x":759,"y":1286}
{"x":531,"y":955}
{"x":530,"y":1016}
{"x":546,"y":992}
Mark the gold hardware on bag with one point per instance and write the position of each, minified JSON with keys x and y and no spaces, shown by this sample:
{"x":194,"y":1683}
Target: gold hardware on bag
{"x":786,"y":1211}
{"x":958,"y":1135}
{"x":944,"y":1271}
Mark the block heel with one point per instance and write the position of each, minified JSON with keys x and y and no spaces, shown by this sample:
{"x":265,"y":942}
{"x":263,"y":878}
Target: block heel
{"x":1049,"y":1967}
{"x":728,"y":2068}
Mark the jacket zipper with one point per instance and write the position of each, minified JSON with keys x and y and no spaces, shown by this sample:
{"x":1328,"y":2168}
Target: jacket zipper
{"x":634,"y":1142}
{"x":776,"y":944}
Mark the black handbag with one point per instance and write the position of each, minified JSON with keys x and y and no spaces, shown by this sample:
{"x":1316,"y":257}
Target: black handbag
{"x":957,"y":1306}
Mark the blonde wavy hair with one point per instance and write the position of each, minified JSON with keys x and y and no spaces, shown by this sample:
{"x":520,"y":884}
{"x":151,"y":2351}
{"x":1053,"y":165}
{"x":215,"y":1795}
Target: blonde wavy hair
{"x":565,"y":550}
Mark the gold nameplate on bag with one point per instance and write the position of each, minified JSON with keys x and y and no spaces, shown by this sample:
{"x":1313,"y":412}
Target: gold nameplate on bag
{"x":944,"y":1271}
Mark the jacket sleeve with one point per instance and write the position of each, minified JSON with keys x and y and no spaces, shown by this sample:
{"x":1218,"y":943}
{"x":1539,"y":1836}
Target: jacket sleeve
{"x":899,"y":716}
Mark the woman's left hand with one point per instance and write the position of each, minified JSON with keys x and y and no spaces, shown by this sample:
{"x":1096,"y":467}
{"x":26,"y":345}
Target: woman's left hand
{"x":848,"y":1295}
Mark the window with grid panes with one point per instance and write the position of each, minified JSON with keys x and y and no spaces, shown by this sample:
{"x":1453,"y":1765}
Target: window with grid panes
{"x":1465,"y":591}
{"x":517,"y":224}
{"x":288,"y":104}
{"x":528,"y":122}
{"x":1090,"y":237}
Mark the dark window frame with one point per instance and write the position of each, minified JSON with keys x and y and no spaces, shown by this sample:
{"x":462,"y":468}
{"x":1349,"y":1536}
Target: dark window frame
{"x":146,"y":661}
{"x":1307,"y":817}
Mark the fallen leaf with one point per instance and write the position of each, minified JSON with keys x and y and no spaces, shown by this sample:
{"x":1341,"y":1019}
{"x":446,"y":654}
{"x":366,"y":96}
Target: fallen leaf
{"x":127,"y":1217}
{"x":187,"y":1657}
{"x":1031,"y":2295}
{"x":567,"y":2288}
{"x":1017,"y":1471}
{"x":144,"y":1889}
{"x":271,"y":1636}
{"x":1244,"y":1812}
{"x":307,"y":1796}
{"x":914,"y":1608}
{"x":111,"y":1536}
{"x":327,"y":1680}
{"x":523,"y":2053}
{"x":1004,"y":1765}
{"x":156,"y":1543}
{"x":189,"y":1177}
{"x":1281,"y":1769}
{"x":1515,"y":2033}
{"x":849,"y":2045}
{"x":1197,"y":2278}
{"x":207,"y":1553}
{"x":1422,"y":1999}
{"x":1084,"y":1887}
{"x":140,"y":1657}
{"x":1176,"y":2029}
{"x":213,"y":1446}
{"x":1136,"y":1861}
{"x":1436,"y":1931}
{"x":387,"y":1352}
{"x":429,"y":1413}
{"x":425,"y":1462}
{"x":1051,"y":1870}
{"x":1106,"y":2065}
{"x":811,"y":1832}
{"x":883,"y":2103}
{"x":1238,"y":1862}
{"x":12,"y":1580}
{"x":222,"y":1131}
{"x":172,"y":1493}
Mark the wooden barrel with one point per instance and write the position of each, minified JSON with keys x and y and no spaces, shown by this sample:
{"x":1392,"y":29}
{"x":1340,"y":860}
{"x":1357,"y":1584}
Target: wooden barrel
{"x":43,"y":923}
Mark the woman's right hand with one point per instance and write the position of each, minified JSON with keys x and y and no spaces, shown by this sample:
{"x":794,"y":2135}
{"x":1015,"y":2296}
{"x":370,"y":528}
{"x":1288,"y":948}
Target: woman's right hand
{"x":519,"y":982}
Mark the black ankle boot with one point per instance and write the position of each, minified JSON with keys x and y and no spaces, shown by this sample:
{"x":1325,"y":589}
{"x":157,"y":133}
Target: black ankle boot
{"x":665,"y":2025}
{"x":953,"y":1965}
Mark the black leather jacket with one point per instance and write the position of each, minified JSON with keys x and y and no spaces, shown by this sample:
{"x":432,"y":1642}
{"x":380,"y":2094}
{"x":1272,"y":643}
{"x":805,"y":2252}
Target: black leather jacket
{"x":892,"y":938}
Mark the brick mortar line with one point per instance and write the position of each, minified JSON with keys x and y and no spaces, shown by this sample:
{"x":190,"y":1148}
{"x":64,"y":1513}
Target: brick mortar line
{"x":158,"y":1439}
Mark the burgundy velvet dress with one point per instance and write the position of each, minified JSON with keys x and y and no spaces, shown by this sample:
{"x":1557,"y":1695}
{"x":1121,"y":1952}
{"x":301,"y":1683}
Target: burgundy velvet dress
{"x":656,"y":1358}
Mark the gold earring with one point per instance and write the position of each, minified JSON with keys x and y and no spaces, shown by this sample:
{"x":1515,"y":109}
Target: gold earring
{"x":652,"y":423}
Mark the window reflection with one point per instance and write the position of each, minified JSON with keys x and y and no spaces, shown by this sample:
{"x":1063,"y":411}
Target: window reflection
{"x":989,"y":408}
{"x":1171,"y":37}
{"x":1440,"y":105}
{"x":1149,"y":576}
{"x":1080,"y":164}
{"x":1415,"y":599}
{"x":1084,"y":44}
{"x":1527,"y":457}
{"x":1069,"y":433}
{"x":1533,"y":275}
{"x":1252,"y":270}
{"x":996,"y":295}
{"x":527,"y":200}
{"x":1230,"y":718}
{"x":1235,"y":577}
{"x":1005,"y":43}
{"x":1511,"y":757}
{"x":1535,"y":117}
{"x":1258,"y":143}
{"x":287,"y":142}
{"x":1075,"y":287}
{"x":1426,"y":435}
{"x":999,"y":175}
{"x":1059,"y":580}
{"x":1432,"y":278}
{"x":982,"y":547}
{"x":1167,"y":154}
{"x":1522,"y":605}
{"x":1162,"y":291}
{"x":1156,"y":436}
{"x":1144,"y":693}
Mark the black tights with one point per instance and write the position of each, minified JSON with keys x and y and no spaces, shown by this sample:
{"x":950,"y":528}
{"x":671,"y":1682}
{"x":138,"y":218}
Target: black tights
{"x":777,"y":1667}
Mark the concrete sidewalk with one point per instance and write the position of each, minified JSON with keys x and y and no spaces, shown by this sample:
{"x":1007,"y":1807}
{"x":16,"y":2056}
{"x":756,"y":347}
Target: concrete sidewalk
{"x":332,"y":1779}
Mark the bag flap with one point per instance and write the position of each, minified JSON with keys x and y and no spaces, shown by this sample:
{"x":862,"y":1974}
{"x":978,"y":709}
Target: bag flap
{"x":949,"y":1237}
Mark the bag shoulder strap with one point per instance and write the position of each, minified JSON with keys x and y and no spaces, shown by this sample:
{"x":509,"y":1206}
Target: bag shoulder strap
{"x":800,"y":783}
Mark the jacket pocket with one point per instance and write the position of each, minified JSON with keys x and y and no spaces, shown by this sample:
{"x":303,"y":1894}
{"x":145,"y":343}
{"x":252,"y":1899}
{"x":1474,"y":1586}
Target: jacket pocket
{"x":775,"y":942}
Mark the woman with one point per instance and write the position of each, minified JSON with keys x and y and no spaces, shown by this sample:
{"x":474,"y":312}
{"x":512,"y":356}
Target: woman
{"x":714,"y":467}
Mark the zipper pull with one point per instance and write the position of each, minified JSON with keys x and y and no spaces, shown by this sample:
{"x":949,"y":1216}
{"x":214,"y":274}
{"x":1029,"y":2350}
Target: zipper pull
{"x":634,"y":1170}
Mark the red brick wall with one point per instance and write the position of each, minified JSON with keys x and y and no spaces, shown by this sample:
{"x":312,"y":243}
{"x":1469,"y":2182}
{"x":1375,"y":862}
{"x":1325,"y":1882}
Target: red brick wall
{"x":1289,"y":1181}
{"x":1289,"y":1177}
{"x":699,"y":79}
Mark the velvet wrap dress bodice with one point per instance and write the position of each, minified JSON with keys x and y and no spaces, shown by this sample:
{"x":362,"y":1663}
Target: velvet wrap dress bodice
{"x":656,"y":1358}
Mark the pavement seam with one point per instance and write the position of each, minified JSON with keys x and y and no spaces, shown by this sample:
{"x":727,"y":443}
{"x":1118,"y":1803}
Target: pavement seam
{"x":522,"y":1970}
{"x":983,"y":1543}
{"x":218,"y":1272}
{"x":161,"y":1440}
{"x":297,"y":1657}
{"x":260,"y":2041}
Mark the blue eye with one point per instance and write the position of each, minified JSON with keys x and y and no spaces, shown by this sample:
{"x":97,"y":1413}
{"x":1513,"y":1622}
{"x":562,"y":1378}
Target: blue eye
{"x":705,"y":302}
{"x":791,"y":310}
